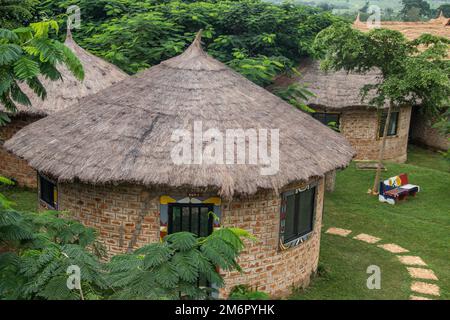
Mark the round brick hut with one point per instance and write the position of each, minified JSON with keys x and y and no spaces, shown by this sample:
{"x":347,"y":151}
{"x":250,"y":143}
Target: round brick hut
{"x":338,"y":100}
{"x":99,"y":74}
{"x":111,"y":160}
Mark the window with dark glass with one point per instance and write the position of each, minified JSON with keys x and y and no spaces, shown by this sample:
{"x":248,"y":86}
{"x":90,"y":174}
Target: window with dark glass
{"x":299,"y":214}
{"x":48,"y":192}
{"x":194,"y":218}
{"x":328,"y":119}
{"x":393,"y":123}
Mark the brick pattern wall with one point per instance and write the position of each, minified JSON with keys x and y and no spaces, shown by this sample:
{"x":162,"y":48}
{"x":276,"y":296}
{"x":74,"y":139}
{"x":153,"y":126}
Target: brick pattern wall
{"x":265,"y":267}
{"x":10,"y":165}
{"x":423,"y":133}
{"x":115,"y":211}
{"x":360,"y":127}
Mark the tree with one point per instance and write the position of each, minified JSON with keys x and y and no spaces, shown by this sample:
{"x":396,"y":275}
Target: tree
{"x":27,"y":53}
{"x":445,"y":9}
{"x":414,"y":10}
{"x":37,"y":250}
{"x":259,"y":39}
{"x":413,"y":72}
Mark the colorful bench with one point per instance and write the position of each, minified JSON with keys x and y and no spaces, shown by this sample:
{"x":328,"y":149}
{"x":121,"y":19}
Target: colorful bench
{"x":396,"y":189}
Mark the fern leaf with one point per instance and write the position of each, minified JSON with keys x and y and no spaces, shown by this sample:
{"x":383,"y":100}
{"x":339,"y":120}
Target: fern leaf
{"x":26,"y":68}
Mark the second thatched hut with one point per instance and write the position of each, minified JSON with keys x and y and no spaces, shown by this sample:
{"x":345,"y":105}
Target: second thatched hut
{"x":61,"y":94}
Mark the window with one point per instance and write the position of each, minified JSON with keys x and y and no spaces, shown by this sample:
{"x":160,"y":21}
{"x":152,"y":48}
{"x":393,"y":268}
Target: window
{"x":297,"y":214}
{"x":48,"y":192}
{"x":328,"y":119}
{"x":393,"y":123}
{"x":193,"y":218}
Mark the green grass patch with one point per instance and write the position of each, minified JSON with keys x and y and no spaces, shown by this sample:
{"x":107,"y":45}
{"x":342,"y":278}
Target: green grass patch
{"x":427,"y":158}
{"x":420,"y":224}
{"x":23,"y":199}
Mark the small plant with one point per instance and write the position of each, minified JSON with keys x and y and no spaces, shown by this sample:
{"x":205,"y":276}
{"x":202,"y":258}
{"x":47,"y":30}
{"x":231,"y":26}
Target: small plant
{"x":244,"y":292}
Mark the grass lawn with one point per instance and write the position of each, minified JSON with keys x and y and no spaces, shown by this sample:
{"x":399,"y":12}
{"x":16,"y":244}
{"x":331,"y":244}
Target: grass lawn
{"x":24,"y":199}
{"x":426,"y":158}
{"x":421,"y":225}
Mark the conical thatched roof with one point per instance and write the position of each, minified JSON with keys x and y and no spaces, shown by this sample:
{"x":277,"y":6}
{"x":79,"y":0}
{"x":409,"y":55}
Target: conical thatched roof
{"x":123,"y":134}
{"x":334,"y":90}
{"x":99,"y":75}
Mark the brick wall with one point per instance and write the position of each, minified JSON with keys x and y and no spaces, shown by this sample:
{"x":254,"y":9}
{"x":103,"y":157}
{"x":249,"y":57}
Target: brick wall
{"x":265,"y":267}
{"x":10,"y":165}
{"x":115,"y":211}
{"x":423,"y":133}
{"x":360,"y":127}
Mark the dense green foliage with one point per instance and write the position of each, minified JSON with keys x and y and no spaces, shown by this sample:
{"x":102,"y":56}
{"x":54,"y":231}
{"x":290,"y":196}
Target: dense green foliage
{"x":414,"y":10}
{"x":36,"y":251}
{"x":14,"y":13}
{"x":256,"y":38}
{"x":27,"y":53}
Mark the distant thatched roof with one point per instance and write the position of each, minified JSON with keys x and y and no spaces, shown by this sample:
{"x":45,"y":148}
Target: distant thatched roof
{"x":412,"y":30}
{"x":99,"y":74}
{"x":439,"y":26}
{"x":123,"y":134}
{"x":334,"y":90}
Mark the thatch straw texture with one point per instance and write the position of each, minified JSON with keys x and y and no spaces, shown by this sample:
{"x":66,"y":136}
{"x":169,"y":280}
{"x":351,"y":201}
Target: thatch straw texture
{"x":334,"y":90}
{"x":123,"y":134}
{"x":99,"y":75}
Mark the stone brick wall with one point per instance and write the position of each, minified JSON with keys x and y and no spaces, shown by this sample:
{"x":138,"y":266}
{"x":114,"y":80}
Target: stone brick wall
{"x":265,"y":266}
{"x":10,"y":165}
{"x":117,"y":211}
{"x":360,"y":127}
{"x":423,"y":133}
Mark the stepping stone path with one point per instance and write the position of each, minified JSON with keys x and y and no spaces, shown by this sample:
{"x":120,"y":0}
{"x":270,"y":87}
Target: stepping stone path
{"x":339,"y":232}
{"x":393,"y":248}
{"x":412,"y":297}
{"x":412,"y":260}
{"x":421,"y":273}
{"x":367,"y":238}
{"x":415,"y":272}
{"x":425,"y":288}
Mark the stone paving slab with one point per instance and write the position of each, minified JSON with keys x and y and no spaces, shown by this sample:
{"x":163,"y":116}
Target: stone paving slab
{"x":421,"y":273}
{"x":412,"y":297}
{"x":412,"y":260}
{"x":367,"y":238}
{"x":425,"y":288}
{"x":393,"y":248}
{"x":339,"y":232}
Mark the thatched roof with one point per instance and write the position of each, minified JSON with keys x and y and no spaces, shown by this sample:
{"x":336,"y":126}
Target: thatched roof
{"x":123,"y":134}
{"x":99,"y":74}
{"x":334,"y":90}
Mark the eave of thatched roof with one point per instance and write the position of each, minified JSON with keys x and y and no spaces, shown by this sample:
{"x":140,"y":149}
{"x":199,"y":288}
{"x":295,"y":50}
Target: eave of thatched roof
{"x":123,"y":134}
{"x":334,"y":90}
{"x":99,"y":75}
